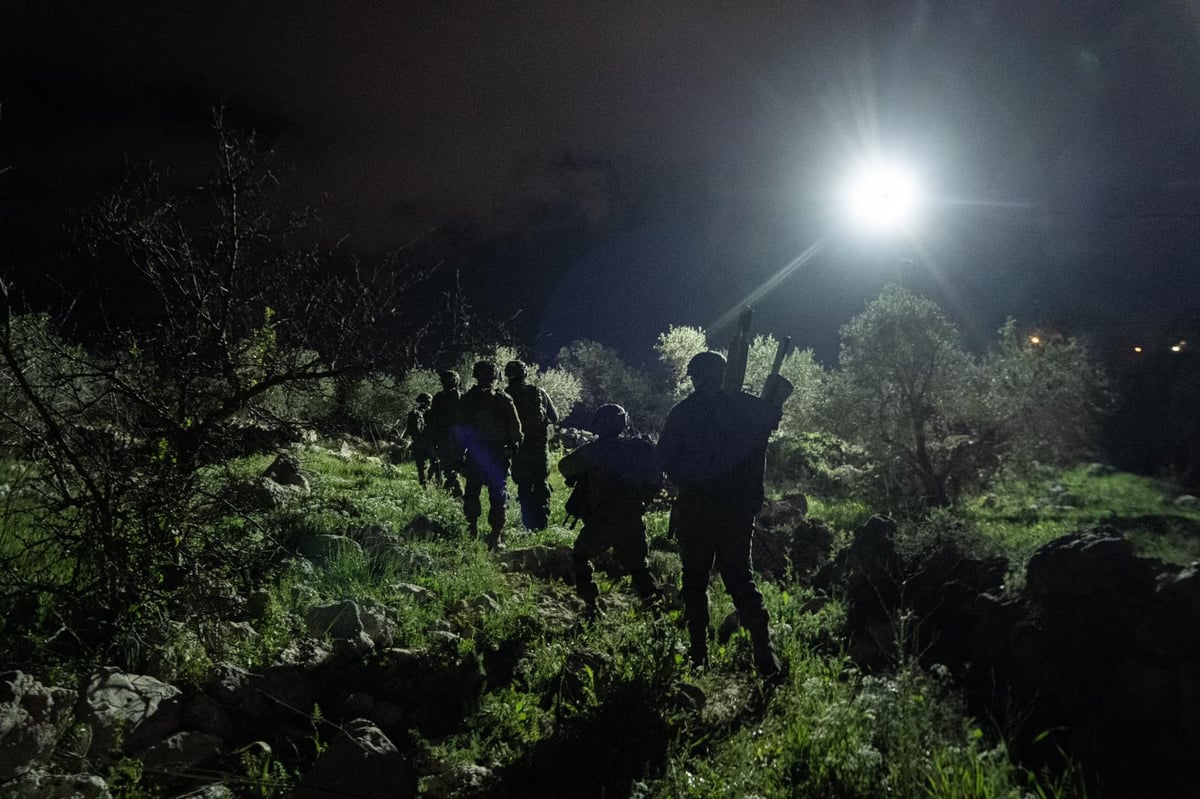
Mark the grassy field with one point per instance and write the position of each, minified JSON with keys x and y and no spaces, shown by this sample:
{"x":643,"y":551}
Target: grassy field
{"x":613,"y":707}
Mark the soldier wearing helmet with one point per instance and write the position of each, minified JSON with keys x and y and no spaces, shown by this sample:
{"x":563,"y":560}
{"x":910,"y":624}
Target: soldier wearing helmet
{"x":490,"y":431}
{"x":441,"y":420}
{"x":531,"y":463}
{"x":616,"y":477}
{"x":713,"y":449}
{"x":416,"y":430}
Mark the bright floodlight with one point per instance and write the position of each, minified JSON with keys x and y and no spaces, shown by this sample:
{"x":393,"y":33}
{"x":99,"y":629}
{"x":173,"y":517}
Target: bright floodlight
{"x":882,"y":197}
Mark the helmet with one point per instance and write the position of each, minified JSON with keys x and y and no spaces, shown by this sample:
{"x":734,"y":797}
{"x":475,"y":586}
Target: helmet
{"x":707,"y":367}
{"x":424,"y":398}
{"x":449,"y":378}
{"x":515,"y":370}
{"x":485,"y":371}
{"x":610,"y":420}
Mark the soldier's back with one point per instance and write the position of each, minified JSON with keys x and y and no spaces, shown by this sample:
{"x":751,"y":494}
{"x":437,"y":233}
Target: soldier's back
{"x":489,"y":412}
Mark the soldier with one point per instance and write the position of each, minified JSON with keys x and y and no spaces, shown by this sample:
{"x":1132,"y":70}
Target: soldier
{"x":489,"y":430}
{"x":416,"y":430}
{"x":713,"y":449}
{"x":440,"y":421}
{"x":619,"y":476}
{"x":531,"y":464}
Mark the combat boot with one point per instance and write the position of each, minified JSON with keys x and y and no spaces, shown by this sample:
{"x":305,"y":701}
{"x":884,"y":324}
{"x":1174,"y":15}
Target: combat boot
{"x":698,"y":651}
{"x":495,"y":541}
{"x":769,"y":666}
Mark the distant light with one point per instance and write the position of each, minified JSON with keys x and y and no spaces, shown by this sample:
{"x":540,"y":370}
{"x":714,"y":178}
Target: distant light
{"x":1176,"y":348}
{"x":1034,"y":340}
{"x":882,"y":197}
{"x":1137,"y":349}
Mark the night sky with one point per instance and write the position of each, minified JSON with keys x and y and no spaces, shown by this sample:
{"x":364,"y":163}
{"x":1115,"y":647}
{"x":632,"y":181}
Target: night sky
{"x":602,"y":170}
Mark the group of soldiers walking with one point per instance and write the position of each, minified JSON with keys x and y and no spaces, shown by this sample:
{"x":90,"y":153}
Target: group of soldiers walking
{"x":482,"y":436}
{"x":712,"y":450}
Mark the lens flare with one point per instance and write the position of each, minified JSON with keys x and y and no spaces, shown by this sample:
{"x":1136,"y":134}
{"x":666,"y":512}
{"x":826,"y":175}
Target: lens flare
{"x":882,"y":197}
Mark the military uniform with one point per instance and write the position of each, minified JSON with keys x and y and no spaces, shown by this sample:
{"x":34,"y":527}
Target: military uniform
{"x":620,"y":477}
{"x":531,"y":462}
{"x":416,"y":429}
{"x":713,"y":449}
{"x":440,"y":421}
{"x":489,"y":430}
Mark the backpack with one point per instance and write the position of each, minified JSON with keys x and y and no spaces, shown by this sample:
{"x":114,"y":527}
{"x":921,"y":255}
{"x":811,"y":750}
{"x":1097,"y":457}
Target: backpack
{"x":415,"y":426}
{"x":531,"y":410}
{"x":489,"y":414}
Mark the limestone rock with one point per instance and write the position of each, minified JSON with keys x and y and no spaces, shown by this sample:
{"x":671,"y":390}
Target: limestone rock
{"x":181,"y":750}
{"x":42,"y":785}
{"x":366,"y":628}
{"x":134,"y":708}
{"x":363,"y":762}
{"x":33,"y":717}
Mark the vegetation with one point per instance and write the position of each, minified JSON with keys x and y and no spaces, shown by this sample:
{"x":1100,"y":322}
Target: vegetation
{"x":137,"y":518}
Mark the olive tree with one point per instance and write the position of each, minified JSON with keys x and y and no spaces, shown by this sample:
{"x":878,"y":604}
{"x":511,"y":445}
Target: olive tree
{"x":800,"y":414}
{"x":1043,"y":398}
{"x":903,"y":391}
{"x":605,"y":378}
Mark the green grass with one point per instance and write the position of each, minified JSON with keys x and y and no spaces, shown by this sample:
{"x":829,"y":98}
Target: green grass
{"x":573,"y":689}
{"x":1021,"y":515}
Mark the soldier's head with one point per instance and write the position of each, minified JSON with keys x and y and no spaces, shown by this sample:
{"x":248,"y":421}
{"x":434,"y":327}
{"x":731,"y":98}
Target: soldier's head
{"x":707,"y":370}
{"x":424,"y":399}
{"x":515,"y":371}
{"x":610,"y":421}
{"x":485,"y":372}
{"x":450,"y":379}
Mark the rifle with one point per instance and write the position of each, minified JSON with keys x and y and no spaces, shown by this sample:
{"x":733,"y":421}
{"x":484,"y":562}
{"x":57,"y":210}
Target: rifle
{"x":739,"y":351}
{"x":770,"y":390}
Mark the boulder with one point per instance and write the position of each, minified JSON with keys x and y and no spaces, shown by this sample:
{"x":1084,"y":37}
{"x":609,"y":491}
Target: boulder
{"x":33,"y":717}
{"x":203,"y":714}
{"x":423,"y":526}
{"x":43,"y":785}
{"x":285,"y":470}
{"x":363,"y":762}
{"x":261,"y":701}
{"x":133,"y":708}
{"x":327,"y":547}
{"x":459,"y":780}
{"x":545,"y":562}
{"x":181,"y":750}
{"x":1100,"y":561}
{"x":364,"y":628}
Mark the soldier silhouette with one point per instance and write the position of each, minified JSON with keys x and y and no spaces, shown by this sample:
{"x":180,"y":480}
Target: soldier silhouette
{"x":713,"y":449}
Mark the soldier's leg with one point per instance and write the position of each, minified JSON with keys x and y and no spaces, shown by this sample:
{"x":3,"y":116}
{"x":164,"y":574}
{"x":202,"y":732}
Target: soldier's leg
{"x":435,"y":466}
{"x":497,"y":501}
{"x":696,"y":554}
{"x":590,"y":543}
{"x":451,"y":457}
{"x":539,"y":497}
{"x":733,"y":561}
{"x":525,"y":475}
{"x":472,"y":506}
{"x":419,"y":459}
{"x":632,"y":553}
{"x":539,"y":504}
